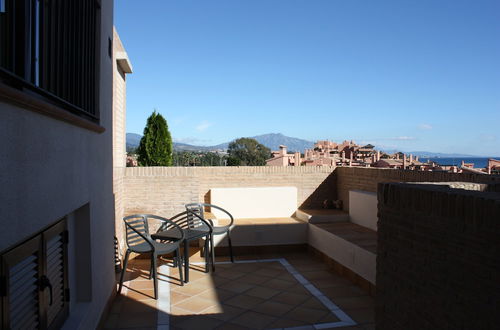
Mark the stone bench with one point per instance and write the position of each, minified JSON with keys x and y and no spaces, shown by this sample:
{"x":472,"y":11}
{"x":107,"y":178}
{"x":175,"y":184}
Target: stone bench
{"x":263,"y":216}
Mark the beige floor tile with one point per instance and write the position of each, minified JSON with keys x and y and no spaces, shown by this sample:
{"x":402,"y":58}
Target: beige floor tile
{"x":253,"y":320}
{"x":253,"y":279}
{"x":139,"y":306}
{"x":262,"y":292}
{"x":238,"y":286}
{"x":269,"y":272}
{"x":328,"y":318}
{"x":178,"y":297}
{"x":229,"y":274}
{"x":297,"y":289}
{"x":111,"y":321}
{"x":190,"y":289}
{"x":278,"y":284}
{"x":244,"y":301}
{"x":134,"y":320}
{"x":343,"y":292}
{"x":223,"y":295}
{"x":196,"y":304}
{"x":192,"y":322}
{"x":176,"y":311}
{"x":291,"y":298}
{"x":314,"y":303}
{"x":224,"y":312}
{"x":362,"y":315}
{"x":286,"y":323}
{"x":139,"y":285}
{"x":273,"y":308}
{"x":355,"y":302}
{"x":307,"y":315}
{"x":231,"y":326}
{"x":140,"y":294}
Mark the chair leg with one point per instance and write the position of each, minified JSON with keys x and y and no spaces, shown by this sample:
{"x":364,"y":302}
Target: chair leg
{"x":151,"y":267}
{"x":213,"y":252}
{"x":179,"y":264}
{"x":125,"y":262}
{"x":155,"y":274}
{"x":207,"y":257}
{"x":202,"y":250}
{"x":230,"y":246}
{"x":186,"y":261}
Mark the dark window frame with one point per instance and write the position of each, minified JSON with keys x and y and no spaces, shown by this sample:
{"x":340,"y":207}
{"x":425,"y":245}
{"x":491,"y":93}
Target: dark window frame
{"x":52,"y":52}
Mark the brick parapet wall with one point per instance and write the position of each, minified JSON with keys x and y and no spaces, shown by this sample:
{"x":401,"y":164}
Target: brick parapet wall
{"x":359,"y":178}
{"x":165,"y":190}
{"x":438,"y":258}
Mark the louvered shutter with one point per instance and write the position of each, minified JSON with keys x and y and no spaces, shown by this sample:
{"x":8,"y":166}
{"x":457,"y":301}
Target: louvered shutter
{"x":55,"y":269}
{"x":21,"y":274}
{"x":34,"y":278}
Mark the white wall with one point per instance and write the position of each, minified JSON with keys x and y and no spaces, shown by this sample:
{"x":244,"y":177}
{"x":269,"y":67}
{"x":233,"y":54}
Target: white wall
{"x":50,"y":168}
{"x":255,"y":202}
{"x":363,"y":208}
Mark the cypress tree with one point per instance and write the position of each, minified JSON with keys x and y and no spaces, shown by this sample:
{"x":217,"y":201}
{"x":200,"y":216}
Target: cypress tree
{"x":155,"y":148}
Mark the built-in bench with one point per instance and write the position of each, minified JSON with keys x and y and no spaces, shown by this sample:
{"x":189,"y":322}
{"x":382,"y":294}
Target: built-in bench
{"x":348,"y":239}
{"x":263,"y":216}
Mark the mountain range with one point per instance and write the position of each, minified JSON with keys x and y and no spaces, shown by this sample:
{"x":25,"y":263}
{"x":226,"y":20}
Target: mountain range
{"x":274,"y":140}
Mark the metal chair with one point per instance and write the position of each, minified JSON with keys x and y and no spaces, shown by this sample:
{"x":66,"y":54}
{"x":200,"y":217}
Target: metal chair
{"x":140,"y":241}
{"x":193,"y":228}
{"x":197,"y":209}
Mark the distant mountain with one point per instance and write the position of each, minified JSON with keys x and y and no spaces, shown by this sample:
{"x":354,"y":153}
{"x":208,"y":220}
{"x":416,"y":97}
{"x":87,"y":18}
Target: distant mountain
{"x":133,"y":140}
{"x":428,"y":154}
{"x":272,"y":141}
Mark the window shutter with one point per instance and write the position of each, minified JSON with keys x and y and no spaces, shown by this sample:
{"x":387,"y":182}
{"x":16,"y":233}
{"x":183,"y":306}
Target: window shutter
{"x":34,"y":293}
{"x":21,"y":272}
{"x":55,"y":250}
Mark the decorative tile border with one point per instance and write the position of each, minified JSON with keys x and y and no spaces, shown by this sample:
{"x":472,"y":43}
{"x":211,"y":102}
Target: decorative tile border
{"x":163,"y":302}
{"x":345,"y":320}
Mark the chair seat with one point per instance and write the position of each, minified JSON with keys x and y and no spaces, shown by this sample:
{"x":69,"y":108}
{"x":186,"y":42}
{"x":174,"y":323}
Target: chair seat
{"x":160,"y":248}
{"x":172,"y":234}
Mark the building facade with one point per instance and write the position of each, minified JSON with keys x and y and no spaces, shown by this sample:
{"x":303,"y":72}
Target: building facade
{"x":56,"y":164}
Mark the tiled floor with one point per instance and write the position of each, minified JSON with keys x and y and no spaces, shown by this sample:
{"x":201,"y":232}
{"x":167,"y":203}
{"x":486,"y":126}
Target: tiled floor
{"x":257,"y":292}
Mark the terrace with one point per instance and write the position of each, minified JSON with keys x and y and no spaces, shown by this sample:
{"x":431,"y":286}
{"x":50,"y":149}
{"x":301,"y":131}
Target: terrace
{"x":315,"y":269}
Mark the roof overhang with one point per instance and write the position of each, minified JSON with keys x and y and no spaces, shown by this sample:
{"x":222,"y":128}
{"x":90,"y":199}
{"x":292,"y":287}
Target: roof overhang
{"x":123,"y":62}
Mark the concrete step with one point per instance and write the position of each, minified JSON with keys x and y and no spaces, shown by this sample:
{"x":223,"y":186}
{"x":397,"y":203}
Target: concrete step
{"x":322,"y":215}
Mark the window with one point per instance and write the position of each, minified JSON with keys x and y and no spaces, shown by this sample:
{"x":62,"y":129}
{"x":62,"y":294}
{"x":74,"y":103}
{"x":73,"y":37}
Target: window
{"x":51,"y":47}
{"x":34,"y":281}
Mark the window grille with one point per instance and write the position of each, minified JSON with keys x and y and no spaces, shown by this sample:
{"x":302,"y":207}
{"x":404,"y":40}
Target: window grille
{"x":51,"y":47}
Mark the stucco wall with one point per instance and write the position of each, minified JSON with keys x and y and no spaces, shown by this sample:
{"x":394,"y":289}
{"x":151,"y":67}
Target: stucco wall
{"x":50,"y":168}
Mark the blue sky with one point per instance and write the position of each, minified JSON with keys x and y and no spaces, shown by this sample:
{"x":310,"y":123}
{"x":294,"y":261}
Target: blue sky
{"x":410,"y":75}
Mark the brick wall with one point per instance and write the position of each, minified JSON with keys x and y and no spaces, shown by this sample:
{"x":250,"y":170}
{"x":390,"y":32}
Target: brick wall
{"x":165,"y":190}
{"x":359,"y":178}
{"x":438,"y":258}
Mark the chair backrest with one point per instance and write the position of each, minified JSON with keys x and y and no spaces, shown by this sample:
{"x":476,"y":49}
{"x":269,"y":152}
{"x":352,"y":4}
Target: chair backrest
{"x":186,"y":221}
{"x":194,"y":215}
{"x":137,"y":230}
{"x":198,"y":209}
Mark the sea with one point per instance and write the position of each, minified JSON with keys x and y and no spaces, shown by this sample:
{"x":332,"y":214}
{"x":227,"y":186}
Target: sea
{"x":479,"y":162}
